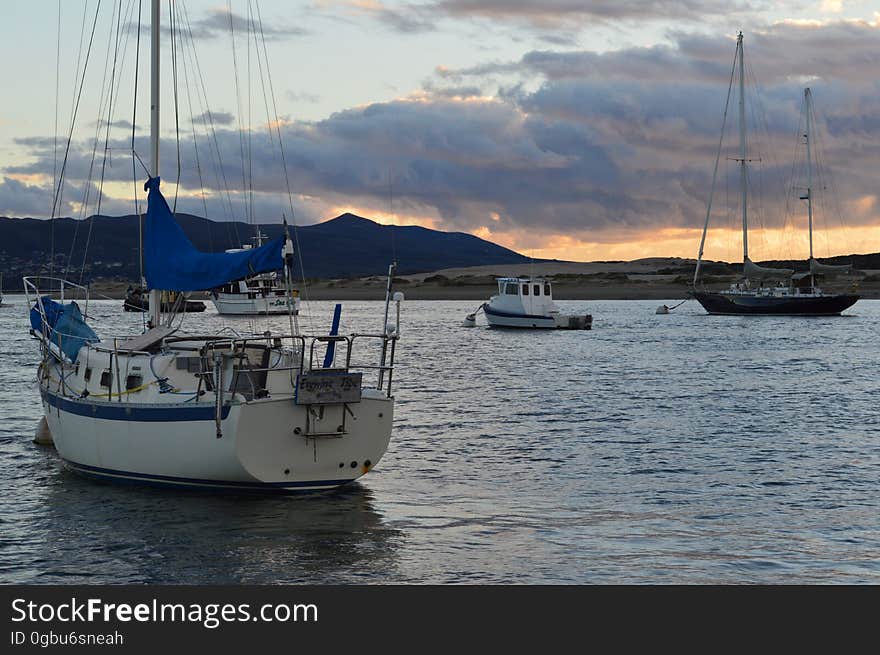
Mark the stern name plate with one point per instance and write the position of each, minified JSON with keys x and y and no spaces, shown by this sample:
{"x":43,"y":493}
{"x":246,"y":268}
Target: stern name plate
{"x":328,"y":388}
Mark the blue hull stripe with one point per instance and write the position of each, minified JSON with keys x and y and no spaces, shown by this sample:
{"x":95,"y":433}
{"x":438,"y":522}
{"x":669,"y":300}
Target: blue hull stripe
{"x":534,"y":317}
{"x":125,"y":411}
{"x":114,"y":475}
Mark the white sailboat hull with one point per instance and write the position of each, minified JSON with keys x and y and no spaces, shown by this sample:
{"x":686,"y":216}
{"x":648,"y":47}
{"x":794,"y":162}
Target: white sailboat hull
{"x":237,"y":305}
{"x":553,"y":321}
{"x":258,"y":450}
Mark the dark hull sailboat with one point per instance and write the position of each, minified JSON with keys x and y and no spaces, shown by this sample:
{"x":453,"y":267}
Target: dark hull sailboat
{"x":139,"y":301}
{"x":786,"y":298}
{"x":729,"y":304}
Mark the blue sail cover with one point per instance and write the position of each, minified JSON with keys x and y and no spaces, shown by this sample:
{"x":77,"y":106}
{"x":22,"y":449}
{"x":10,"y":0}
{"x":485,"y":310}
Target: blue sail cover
{"x":65,"y":326}
{"x":172,"y":263}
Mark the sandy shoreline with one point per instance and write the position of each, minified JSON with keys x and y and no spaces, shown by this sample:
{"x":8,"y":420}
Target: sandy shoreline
{"x":644,"y":279}
{"x":478,"y":293}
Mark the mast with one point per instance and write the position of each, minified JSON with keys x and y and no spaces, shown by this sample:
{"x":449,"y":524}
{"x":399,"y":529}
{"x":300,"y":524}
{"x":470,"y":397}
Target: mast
{"x":742,"y":147}
{"x":155,"y":294}
{"x":809,"y":195}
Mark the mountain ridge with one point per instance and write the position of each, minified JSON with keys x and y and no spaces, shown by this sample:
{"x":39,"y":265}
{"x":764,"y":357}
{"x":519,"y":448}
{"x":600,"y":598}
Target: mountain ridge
{"x":346,"y":246}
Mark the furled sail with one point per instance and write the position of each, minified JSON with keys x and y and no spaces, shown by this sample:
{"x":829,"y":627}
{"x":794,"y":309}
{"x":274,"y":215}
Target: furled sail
{"x":752,"y":271}
{"x":818,"y":268}
{"x":171,"y":261}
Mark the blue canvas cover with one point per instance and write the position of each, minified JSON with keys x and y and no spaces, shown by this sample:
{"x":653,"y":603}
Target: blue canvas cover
{"x":66,"y":326}
{"x":172,"y":263}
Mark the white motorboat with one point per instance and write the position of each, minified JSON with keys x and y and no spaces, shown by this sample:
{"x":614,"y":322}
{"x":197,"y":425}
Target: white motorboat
{"x":255,"y":295}
{"x":276,"y":412}
{"x":527,"y":302}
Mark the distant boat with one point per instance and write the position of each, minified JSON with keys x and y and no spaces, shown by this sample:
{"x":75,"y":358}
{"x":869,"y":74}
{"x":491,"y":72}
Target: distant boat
{"x":527,"y":302}
{"x":792,"y":294}
{"x":255,"y":295}
{"x":137,"y":299}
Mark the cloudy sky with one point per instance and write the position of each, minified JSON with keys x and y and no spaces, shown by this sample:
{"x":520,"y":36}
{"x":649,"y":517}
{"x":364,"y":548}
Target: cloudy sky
{"x":573,"y":129}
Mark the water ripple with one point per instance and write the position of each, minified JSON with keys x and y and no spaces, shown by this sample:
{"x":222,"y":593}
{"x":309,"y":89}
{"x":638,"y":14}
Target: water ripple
{"x":655,"y":449}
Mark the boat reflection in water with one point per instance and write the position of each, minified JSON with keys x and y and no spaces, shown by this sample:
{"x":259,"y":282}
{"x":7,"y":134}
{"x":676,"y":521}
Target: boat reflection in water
{"x":136,"y":537}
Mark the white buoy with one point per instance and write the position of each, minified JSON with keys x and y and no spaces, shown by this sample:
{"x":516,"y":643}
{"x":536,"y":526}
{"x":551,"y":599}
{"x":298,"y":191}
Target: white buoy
{"x":469,"y":321}
{"x":662,"y":309}
{"x":43,"y":436}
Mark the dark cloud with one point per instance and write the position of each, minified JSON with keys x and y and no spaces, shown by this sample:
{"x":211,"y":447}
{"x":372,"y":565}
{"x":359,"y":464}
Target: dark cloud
{"x":218,"y":21}
{"x":555,"y":11}
{"x":580,"y":144}
{"x":118,"y":124}
{"x":846,"y":50}
{"x":411,"y":20}
{"x":214,"y":118}
{"x":548,"y":15}
{"x":20,"y":199}
{"x":302,"y":96}
{"x":442,"y":91}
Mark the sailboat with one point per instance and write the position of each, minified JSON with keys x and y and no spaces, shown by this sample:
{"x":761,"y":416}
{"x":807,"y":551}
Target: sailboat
{"x":751,"y":296}
{"x":274,"y":412}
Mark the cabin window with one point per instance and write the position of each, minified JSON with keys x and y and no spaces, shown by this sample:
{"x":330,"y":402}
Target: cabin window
{"x":546,"y":288}
{"x":88,"y":375}
{"x":133,"y":382}
{"x":537,"y":289}
{"x":512,"y":289}
{"x":525,"y":289}
{"x":189,"y":364}
{"x":105,"y":379}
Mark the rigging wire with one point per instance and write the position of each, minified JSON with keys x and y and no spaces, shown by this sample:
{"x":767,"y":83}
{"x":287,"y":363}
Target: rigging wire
{"x":219,"y":170}
{"x":239,"y":112}
{"x":134,"y":179}
{"x":176,"y":112}
{"x":78,"y":97}
{"x":277,"y":124}
{"x":106,"y":140}
{"x":186,"y":86}
{"x":87,"y":188}
{"x":825,"y":171}
{"x":55,"y":137}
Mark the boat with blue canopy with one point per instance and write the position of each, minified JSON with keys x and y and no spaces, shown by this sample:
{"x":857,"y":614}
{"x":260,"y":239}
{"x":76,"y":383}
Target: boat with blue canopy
{"x":274,"y":411}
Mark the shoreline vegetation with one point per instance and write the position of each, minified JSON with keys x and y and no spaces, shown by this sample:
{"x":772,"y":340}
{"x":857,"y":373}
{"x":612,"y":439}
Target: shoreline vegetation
{"x":644,"y":279}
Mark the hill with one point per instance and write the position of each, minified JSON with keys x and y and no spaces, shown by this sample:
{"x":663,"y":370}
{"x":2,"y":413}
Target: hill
{"x":345,"y":247}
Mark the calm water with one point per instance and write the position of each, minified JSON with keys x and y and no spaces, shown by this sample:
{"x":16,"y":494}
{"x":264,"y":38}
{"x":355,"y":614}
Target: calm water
{"x":654,"y":449}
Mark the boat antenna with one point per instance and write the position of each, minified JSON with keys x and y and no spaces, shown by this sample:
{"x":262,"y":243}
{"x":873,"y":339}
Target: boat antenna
{"x":388,"y":285}
{"x":715,"y":171}
{"x":391,"y":214}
